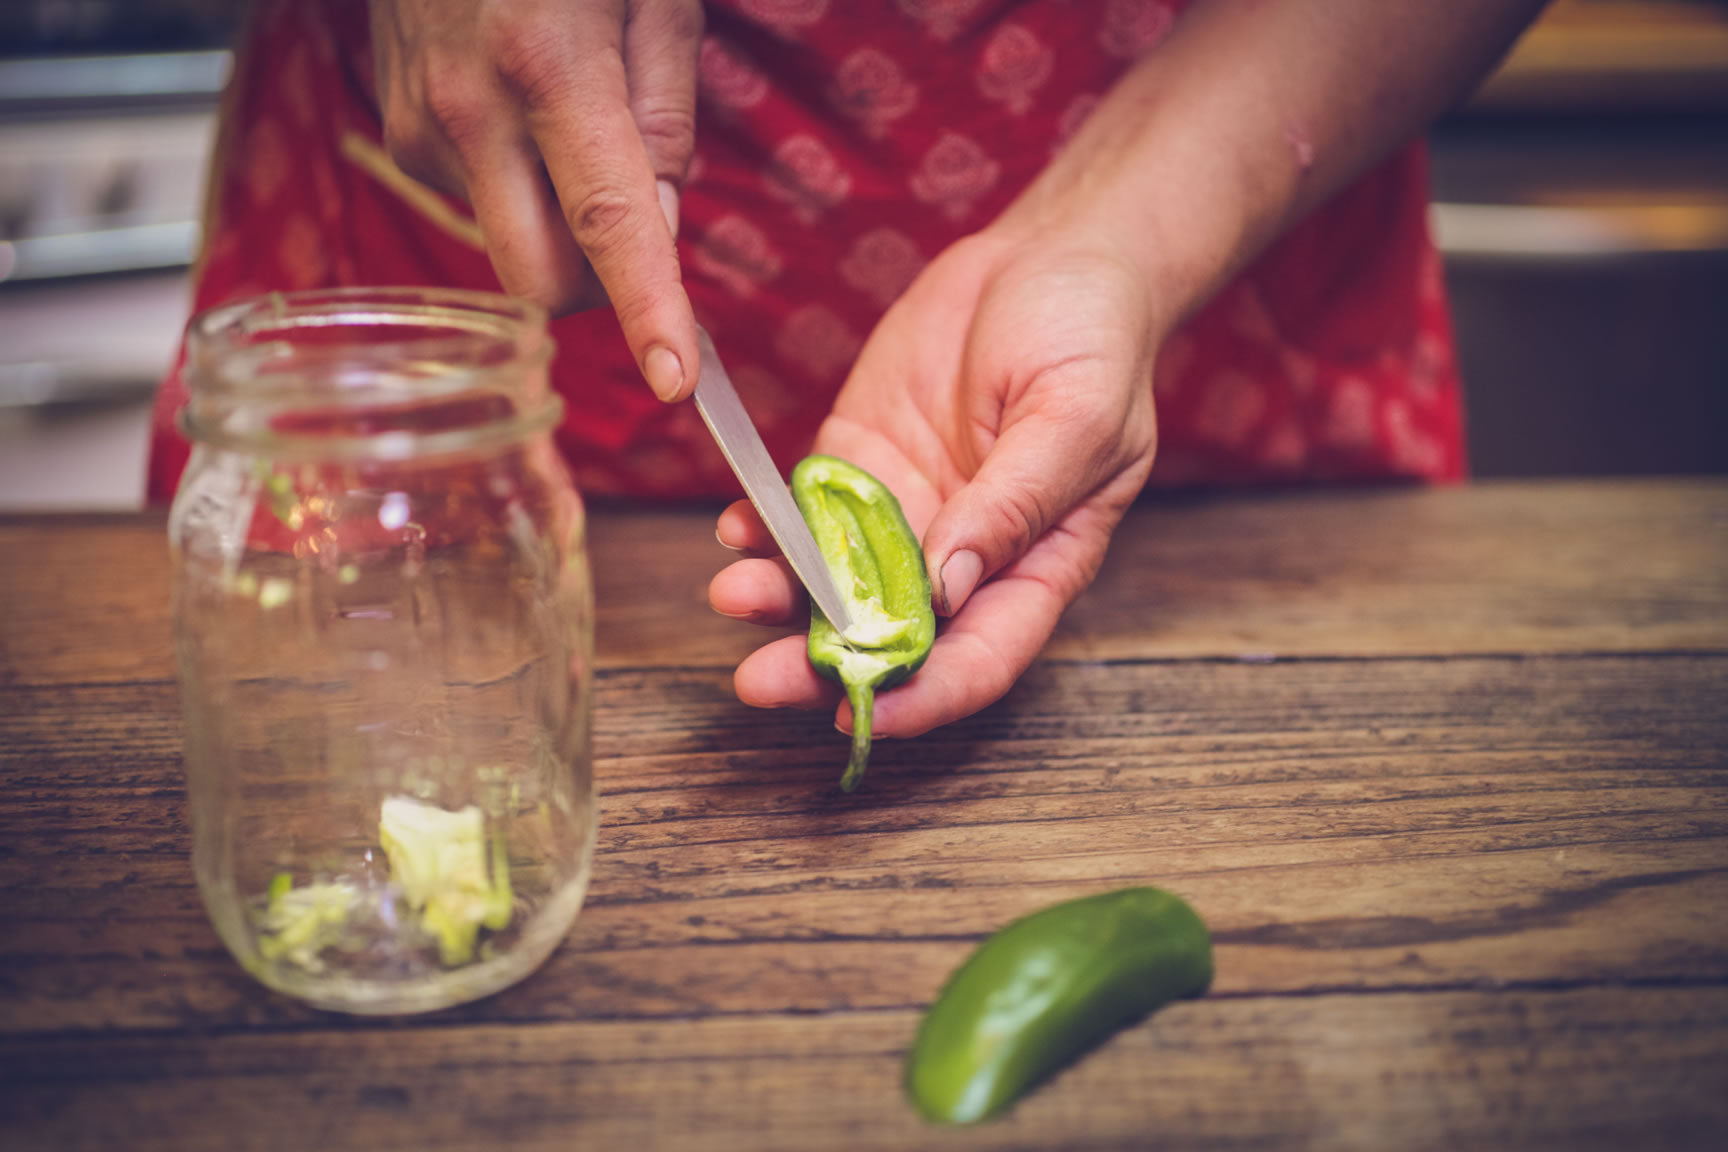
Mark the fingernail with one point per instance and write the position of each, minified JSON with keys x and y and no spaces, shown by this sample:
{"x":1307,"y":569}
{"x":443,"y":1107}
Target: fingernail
{"x":665,"y":374}
{"x":669,"y":205}
{"x":959,"y":576}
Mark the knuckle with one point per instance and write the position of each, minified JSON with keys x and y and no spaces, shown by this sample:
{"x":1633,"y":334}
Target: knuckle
{"x":530,"y":58}
{"x":1018,"y":517}
{"x":686,"y":21}
{"x":454,"y":106}
{"x":668,"y":130}
{"x":667,"y":26}
{"x":600,"y":218}
{"x":1068,"y":398}
{"x":1097,"y":430}
{"x":1099,"y":436}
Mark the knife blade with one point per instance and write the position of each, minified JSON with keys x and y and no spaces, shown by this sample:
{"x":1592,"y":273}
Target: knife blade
{"x":742,"y":445}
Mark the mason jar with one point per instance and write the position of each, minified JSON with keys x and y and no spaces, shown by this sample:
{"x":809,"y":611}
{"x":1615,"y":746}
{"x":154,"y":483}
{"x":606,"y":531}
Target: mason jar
{"x":383,"y":628}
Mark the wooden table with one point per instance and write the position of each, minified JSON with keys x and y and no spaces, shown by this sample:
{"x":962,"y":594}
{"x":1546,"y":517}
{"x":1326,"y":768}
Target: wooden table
{"x":1446,"y":771}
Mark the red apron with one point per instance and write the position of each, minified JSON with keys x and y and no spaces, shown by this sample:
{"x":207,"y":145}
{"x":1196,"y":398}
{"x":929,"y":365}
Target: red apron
{"x":841,"y":145}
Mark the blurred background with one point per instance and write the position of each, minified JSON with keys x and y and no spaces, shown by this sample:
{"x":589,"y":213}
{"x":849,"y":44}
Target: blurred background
{"x":1581,"y":200}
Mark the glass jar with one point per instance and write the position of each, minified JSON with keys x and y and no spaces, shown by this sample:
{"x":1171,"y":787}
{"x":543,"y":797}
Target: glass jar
{"x":383,"y":626}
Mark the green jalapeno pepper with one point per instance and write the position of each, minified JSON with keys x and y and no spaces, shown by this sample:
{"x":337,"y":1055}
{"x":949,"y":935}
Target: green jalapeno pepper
{"x":1046,"y":988}
{"x":878,"y":567}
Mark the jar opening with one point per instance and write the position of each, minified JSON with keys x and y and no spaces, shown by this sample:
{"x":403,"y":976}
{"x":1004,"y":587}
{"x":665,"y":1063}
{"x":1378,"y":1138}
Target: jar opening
{"x":368,"y":372}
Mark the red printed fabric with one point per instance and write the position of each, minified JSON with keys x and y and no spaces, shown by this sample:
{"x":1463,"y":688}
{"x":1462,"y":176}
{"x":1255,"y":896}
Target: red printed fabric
{"x":841,"y":145}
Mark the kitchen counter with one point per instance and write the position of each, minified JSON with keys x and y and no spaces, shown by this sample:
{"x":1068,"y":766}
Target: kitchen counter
{"x":1446,"y":772}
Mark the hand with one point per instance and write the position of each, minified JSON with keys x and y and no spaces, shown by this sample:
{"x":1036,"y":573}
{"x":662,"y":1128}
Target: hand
{"x":1007,"y":401}
{"x":568,"y":126}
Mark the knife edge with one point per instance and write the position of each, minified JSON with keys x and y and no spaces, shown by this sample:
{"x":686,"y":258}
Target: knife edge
{"x":730,"y":424}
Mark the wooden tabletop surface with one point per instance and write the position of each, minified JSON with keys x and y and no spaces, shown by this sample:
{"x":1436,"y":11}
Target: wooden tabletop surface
{"x":1445,"y":771}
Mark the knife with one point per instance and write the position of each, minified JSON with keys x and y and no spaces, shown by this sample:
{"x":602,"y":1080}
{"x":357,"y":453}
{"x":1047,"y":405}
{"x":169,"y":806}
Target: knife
{"x":731,"y":426}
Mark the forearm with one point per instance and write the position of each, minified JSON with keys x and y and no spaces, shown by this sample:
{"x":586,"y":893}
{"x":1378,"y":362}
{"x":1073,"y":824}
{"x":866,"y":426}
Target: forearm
{"x":1252,"y":113}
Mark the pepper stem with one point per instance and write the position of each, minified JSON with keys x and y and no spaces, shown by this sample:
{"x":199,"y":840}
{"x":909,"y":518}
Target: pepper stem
{"x":862,"y":696}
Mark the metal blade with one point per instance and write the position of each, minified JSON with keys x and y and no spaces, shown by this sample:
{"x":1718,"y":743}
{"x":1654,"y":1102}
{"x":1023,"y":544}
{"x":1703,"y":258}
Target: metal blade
{"x":737,"y":436}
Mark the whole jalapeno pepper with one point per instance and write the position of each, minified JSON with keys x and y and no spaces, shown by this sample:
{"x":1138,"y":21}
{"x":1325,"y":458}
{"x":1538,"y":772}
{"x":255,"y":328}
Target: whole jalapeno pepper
{"x":1045,"y":989}
{"x":878,"y":567}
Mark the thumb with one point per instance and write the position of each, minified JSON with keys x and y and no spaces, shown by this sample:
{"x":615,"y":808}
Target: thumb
{"x":1038,"y":471}
{"x":662,"y":42}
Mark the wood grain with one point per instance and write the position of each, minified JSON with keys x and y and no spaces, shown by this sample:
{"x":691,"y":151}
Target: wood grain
{"x":1535,"y":567}
{"x":1340,"y":824}
{"x":1444,"y":1070}
{"x":1446,"y":773}
{"x":1509,"y":567}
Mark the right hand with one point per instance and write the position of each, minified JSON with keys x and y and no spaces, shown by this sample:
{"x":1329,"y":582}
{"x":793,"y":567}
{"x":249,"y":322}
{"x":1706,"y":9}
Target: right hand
{"x":568,"y":126}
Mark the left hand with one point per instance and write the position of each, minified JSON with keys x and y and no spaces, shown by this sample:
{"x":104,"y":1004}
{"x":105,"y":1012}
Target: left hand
{"x":1006,"y":400}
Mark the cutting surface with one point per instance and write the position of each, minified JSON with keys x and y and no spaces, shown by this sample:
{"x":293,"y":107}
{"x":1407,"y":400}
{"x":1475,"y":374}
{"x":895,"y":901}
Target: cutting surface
{"x":1445,"y":771}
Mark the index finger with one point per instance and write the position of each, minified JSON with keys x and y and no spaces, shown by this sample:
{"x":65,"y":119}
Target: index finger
{"x":579,"y":115}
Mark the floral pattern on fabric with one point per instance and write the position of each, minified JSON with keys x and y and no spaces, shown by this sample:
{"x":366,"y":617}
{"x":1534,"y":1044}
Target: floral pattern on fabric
{"x":841,"y":147}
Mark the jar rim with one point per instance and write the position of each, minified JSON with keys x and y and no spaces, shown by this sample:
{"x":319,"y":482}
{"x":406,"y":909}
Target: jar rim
{"x":251,"y":362}
{"x":236,"y":324}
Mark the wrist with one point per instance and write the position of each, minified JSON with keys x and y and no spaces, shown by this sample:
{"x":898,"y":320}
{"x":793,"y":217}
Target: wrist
{"x":1184,"y":178}
{"x":1246,"y":117}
